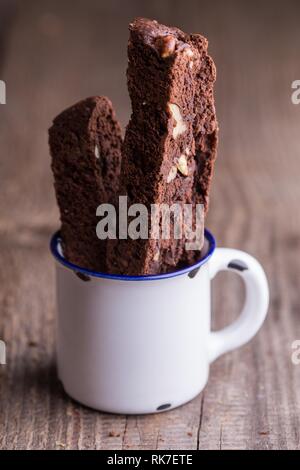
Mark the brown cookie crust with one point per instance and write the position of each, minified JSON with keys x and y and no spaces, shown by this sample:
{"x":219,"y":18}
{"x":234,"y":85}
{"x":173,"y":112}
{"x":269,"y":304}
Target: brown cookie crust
{"x":85,"y":145}
{"x":163,"y":152}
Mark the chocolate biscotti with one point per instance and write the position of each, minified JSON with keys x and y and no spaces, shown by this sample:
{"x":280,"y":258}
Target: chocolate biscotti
{"x":85,"y":145}
{"x":205,"y":122}
{"x":159,"y":161}
{"x":205,"y":132}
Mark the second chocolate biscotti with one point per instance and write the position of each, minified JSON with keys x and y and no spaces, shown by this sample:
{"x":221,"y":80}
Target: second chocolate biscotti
{"x":85,"y":145}
{"x":162,"y":141}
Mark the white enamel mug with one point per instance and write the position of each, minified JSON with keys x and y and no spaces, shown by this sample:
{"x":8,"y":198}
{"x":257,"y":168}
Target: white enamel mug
{"x":136,"y":345}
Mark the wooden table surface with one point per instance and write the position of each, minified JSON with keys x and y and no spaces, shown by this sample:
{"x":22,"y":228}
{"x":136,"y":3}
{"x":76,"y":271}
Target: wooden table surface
{"x":52,"y":54}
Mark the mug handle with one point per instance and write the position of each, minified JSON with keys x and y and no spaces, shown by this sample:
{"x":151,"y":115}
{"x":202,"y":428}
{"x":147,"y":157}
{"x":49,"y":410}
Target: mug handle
{"x":256,"y":303}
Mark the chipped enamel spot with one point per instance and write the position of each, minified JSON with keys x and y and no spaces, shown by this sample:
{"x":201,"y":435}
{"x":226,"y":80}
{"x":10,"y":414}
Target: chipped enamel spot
{"x":180,"y":126}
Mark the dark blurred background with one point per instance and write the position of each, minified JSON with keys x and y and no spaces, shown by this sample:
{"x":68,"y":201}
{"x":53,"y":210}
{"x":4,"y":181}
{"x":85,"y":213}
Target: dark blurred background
{"x":56,"y":52}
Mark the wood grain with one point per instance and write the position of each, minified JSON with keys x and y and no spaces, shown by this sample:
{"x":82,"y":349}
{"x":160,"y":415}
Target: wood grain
{"x":55,"y":53}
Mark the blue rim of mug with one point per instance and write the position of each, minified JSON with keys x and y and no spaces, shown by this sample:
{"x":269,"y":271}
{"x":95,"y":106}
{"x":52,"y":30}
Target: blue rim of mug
{"x":56,"y":242}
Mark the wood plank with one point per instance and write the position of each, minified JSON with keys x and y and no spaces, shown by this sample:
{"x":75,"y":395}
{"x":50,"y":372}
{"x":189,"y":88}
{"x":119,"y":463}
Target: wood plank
{"x":54,"y":58}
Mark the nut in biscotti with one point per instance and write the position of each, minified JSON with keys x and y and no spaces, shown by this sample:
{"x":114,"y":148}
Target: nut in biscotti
{"x":166,"y":45}
{"x":188,"y":51}
{"x":182,"y":165}
{"x":172,"y":174}
{"x":180,"y":126}
{"x":97,"y":153}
